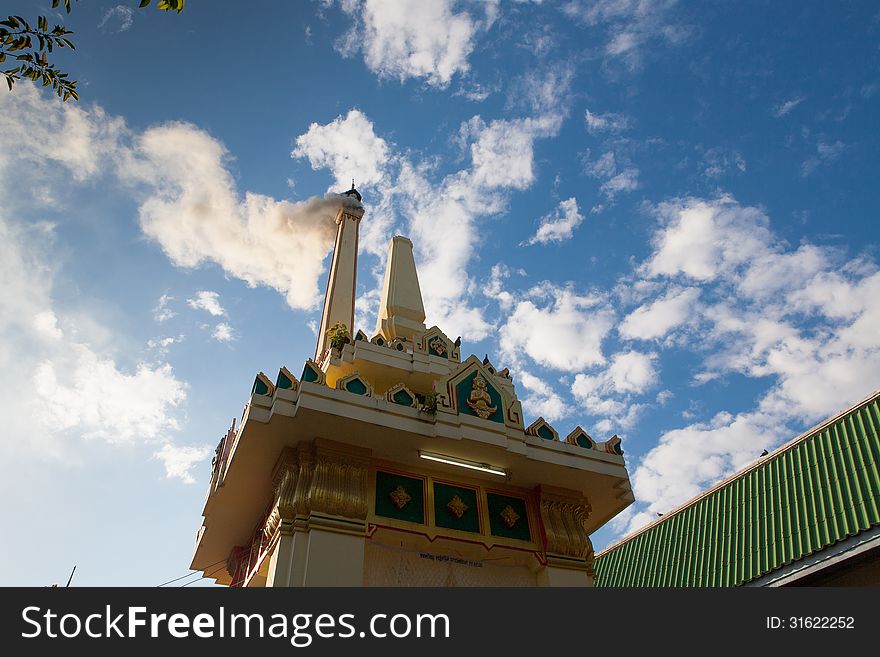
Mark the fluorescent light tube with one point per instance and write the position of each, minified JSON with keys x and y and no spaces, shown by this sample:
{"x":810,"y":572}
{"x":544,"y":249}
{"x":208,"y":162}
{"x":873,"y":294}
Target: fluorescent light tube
{"x":463,"y":463}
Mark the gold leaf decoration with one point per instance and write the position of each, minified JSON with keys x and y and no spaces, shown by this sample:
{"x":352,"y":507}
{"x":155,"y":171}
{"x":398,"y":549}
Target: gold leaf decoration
{"x":400,"y":497}
{"x":509,"y":516}
{"x":457,"y":507}
{"x":438,"y":346}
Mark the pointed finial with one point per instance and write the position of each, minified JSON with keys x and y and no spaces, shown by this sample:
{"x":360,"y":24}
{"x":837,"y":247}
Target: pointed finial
{"x":353,"y":192}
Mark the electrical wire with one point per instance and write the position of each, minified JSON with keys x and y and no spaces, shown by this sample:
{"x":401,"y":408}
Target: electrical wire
{"x":206,"y":576}
{"x":195,"y":572}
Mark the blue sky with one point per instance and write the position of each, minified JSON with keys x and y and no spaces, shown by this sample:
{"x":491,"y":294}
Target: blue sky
{"x":661,"y":216}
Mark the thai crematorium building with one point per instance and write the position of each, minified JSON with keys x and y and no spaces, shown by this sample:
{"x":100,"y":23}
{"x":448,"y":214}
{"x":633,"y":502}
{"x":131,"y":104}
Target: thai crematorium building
{"x":392,"y":461}
{"x":805,"y":514}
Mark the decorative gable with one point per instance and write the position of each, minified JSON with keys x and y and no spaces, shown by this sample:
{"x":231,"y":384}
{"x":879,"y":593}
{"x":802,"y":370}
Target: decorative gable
{"x":612,"y":445}
{"x":355,"y":384}
{"x":312,"y":373}
{"x":435,"y":342}
{"x":400,"y":394}
{"x":542,"y":429}
{"x":473,"y":391}
{"x":262,"y":385}
{"x":580,"y":438}
{"x":286,"y":380}
{"x":398,"y":344}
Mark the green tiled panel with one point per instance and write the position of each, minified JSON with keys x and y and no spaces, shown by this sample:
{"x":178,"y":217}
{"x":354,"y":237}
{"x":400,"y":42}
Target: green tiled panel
{"x":356,"y":386}
{"x":413,"y":510}
{"x":444,"y":517}
{"x":497,"y":524}
{"x":824,"y":489}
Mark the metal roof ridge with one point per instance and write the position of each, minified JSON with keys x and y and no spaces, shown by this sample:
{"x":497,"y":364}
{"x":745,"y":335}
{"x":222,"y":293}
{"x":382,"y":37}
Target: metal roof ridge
{"x":736,"y":475}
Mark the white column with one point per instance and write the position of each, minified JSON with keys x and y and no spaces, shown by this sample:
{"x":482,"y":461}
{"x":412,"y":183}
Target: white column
{"x":339,"y":298}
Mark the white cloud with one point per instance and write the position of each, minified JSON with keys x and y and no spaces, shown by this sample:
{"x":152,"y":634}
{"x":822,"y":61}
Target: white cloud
{"x":629,"y":25}
{"x":719,"y":161}
{"x":162,"y":312}
{"x":39,"y":133}
{"x":702,"y":239}
{"x":541,"y":400}
{"x":46,"y":324}
{"x":180,"y":460}
{"x":412,"y":39}
{"x":495,"y":287}
{"x":608,"y":122}
{"x":826,"y":152}
{"x":604,"y":167}
{"x":223,"y":332}
{"x":502,"y":152}
{"x":58,"y":385}
{"x":83,"y":391}
{"x":619,"y":176}
{"x":654,"y":320}
{"x":782,"y":109}
{"x":208,"y":301}
{"x":609,"y":392}
{"x":161,"y":345}
{"x":625,"y":181}
{"x":689,"y":459}
{"x":801,"y":319}
{"x":348,"y":147}
{"x":560,"y":225}
{"x":557,"y":328}
{"x":117,"y":19}
{"x":543,"y":91}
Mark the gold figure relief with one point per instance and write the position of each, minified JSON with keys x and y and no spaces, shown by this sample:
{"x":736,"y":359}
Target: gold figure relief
{"x":400,"y":497}
{"x":480,"y":402}
{"x":438,"y":346}
{"x":509,"y":516}
{"x":457,"y":507}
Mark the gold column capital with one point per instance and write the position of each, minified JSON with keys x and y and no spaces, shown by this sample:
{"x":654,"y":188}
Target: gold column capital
{"x":322,"y":482}
{"x":563,"y":514}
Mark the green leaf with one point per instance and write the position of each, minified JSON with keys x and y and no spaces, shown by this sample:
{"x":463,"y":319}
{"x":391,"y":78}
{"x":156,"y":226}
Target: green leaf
{"x":143,"y":4}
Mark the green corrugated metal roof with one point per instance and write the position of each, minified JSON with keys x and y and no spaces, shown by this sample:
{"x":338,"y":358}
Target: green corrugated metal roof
{"x":818,"y":489}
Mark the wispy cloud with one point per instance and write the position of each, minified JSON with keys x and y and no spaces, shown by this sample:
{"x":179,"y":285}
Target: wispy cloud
{"x":826,"y":152}
{"x":117,"y":19}
{"x":629,"y":25}
{"x":617,"y":173}
{"x":162,"y":312}
{"x":608,"y":122}
{"x":783,"y":109}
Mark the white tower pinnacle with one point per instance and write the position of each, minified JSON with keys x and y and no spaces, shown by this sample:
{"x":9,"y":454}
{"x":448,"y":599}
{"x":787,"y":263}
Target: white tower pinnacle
{"x":401,"y":311}
{"x":339,"y":300}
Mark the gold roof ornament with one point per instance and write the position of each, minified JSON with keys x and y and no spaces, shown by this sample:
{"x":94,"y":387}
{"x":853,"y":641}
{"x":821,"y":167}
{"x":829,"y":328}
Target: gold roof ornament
{"x":480,"y":402}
